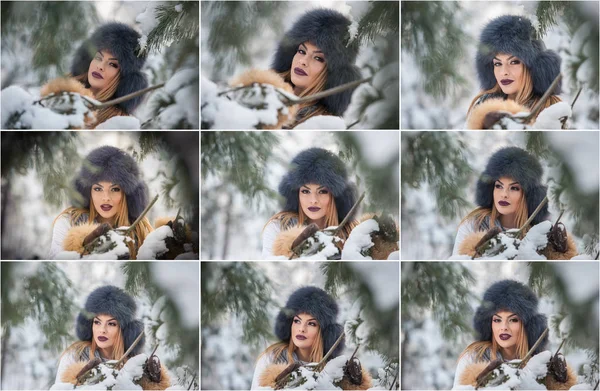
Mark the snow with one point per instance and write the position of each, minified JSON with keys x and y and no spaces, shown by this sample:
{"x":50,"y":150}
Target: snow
{"x":359,"y":240}
{"x":179,"y":8}
{"x":322,"y":122}
{"x":329,"y":249}
{"x":183,"y":87}
{"x":120,"y":122}
{"x":120,"y":250}
{"x":549,"y":118}
{"x":16,"y":100}
{"x":180,"y":281}
{"x":147,"y":22}
{"x":580,"y":279}
{"x":154,"y":245}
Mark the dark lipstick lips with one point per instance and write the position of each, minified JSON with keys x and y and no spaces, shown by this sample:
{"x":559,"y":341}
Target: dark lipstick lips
{"x":506,"y":82}
{"x":102,"y":339}
{"x":300,"y":72}
{"x":300,"y":337}
{"x":105,"y":208}
{"x":97,"y":75}
{"x":503,"y":203}
{"x":504,"y":337}
{"x":314,"y":209}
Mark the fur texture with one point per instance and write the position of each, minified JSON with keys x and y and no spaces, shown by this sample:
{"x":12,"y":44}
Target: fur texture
{"x":268,"y":77}
{"x":284,"y":240}
{"x":558,"y":256}
{"x":319,"y":304}
{"x":553,"y":384}
{"x":69,"y":84}
{"x":514,"y":35}
{"x":515,"y":297}
{"x":317,"y":165}
{"x":367,"y":382}
{"x":470,"y":373}
{"x":328,"y":30}
{"x":70,"y":374}
{"x":74,"y":239}
{"x":467,"y":247}
{"x":113,"y":165}
{"x":521,"y":166}
{"x":122,"y":41}
{"x":477,"y":117}
{"x":115,"y":302}
{"x":163,"y":384}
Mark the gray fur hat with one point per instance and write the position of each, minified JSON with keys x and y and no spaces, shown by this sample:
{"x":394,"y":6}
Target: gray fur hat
{"x":113,"y":165}
{"x":515,"y":297}
{"x":113,"y":301}
{"x":122,"y":41}
{"x":328,"y":30}
{"x":318,"y":303}
{"x":514,"y":35}
{"x":320,"y":166}
{"x":516,"y":163}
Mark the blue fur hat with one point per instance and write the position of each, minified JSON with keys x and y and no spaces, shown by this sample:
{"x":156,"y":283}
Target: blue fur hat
{"x":318,"y":303}
{"x":328,"y":30}
{"x":113,"y":165}
{"x":122,"y":41}
{"x":514,"y":35}
{"x":317,"y":165}
{"x":515,"y":297}
{"x":518,"y":164}
{"x":110,"y":300}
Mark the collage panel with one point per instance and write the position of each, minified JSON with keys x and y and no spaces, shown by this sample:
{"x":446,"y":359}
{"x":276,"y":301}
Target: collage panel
{"x":300,"y":65}
{"x":100,"y":65}
{"x":500,"y":195}
{"x":300,"y":325}
{"x":100,"y":325}
{"x":100,"y":195}
{"x":300,"y":195}
{"x":500,"y":65}
{"x":500,"y":325}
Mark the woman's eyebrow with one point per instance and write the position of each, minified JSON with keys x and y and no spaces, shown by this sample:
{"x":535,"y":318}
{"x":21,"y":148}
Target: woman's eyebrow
{"x":306,"y":49}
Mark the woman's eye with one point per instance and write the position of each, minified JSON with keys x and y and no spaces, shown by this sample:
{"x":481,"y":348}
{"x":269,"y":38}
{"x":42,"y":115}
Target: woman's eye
{"x":115,"y":189}
{"x":301,"y":51}
{"x":113,"y":65}
{"x":112,"y":324}
{"x":324,"y":192}
{"x":514,"y":320}
{"x":305,"y":191}
{"x":498,"y":186}
{"x":96,"y":322}
{"x":97,"y":189}
{"x":312,"y":324}
{"x":320,"y":59}
{"x":296,"y":321}
{"x":497,"y":64}
{"x":515,"y":62}
{"x":515,"y":188}
{"x":496,"y":320}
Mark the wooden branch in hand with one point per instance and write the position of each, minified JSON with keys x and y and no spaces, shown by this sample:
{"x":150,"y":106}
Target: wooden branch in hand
{"x":193,"y":378}
{"x":530,"y":352}
{"x":558,"y":350}
{"x":488,"y":235}
{"x":350,"y":214}
{"x":326,"y":93}
{"x":530,"y":219}
{"x":322,"y":363}
{"x":302,"y":238}
{"x":140,"y":217}
{"x":538,"y":107}
{"x":127,"y":97}
{"x":133,"y":345}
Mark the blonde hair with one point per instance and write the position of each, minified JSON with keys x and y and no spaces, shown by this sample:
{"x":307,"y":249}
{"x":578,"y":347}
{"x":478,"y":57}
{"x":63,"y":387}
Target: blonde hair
{"x":120,"y":219}
{"x":524,"y":96}
{"x":316,"y":86}
{"x":117,"y":352}
{"x":331,"y":219}
{"x":104,"y":95}
{"x":277,"y":349}
{"x":479,"y":215}
{"x":478,"y":348}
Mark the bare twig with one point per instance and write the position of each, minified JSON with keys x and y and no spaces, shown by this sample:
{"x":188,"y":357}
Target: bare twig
{"x":558,"y":350}
{"x":576,"y":96}
{"x":530,"y":219}
{"x":232,"y":90}
{"x":349,"y":215}
{"x":133,"y":345}
{"x":326,"y":93}
{"x":395,"y":378}
{"x":530,"y":352}
{"x":127,"y":97}
{"x":321,"y":363}
{"x":140,"y":217}
{"x":559,"y":216}
{"x":597,"y":383}
{"x":355,"y":350}
{"x":540,"y":103}
{"x":193,"y":378}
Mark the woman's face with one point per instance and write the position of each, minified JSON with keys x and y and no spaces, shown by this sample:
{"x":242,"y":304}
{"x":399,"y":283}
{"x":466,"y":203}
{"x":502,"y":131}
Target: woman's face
{"x":506,"y":329}
{"x":508,"y":70}
{"x":507,"y":195}
{"x":103,"y":69}
{"x":314,"y":201}
{"x":105,"y":329}
{"x":307,"y":64}
{"x":304,"y":330}
{"x":106,"y":198}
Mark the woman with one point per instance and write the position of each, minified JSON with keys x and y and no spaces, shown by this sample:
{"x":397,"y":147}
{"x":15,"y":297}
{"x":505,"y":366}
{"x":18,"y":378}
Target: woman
{"x":316,"y":54}
{"x":106,"y":330}
{"x":514,"y":70}
{"x":508,"y":192}
{"x":106,"y":66}
{"x":508,"y":325}
{"x":316,"y":190}
{"x":110,"y":194}
{"x":307,"y":330}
